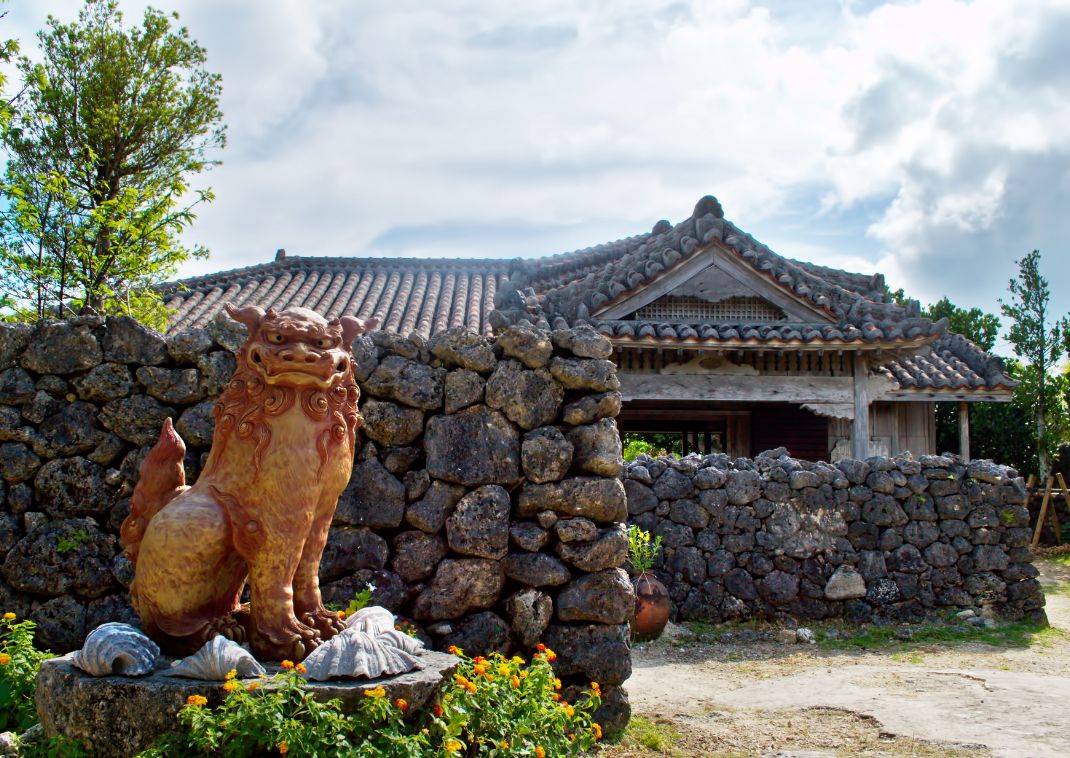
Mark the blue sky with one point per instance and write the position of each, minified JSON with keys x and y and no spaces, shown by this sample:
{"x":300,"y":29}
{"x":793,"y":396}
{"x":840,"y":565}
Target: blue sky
{"x":928,"y":140}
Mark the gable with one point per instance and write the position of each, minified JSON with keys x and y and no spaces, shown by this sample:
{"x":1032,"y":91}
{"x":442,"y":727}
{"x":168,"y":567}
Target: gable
{"x":714,"y":286}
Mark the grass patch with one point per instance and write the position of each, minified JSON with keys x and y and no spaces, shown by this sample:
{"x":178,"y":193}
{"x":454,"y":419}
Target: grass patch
{"x":1062,"y":560}
{"x":650,"y":735}
{"x":1008,"y":634}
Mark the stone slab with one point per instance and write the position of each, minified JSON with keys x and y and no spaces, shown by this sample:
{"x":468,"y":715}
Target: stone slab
{"x":119,"y":716}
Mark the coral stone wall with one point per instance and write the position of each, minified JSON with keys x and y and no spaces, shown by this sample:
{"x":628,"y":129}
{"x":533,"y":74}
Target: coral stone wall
{"x":881,"y":539}
{"x":485,"y":504}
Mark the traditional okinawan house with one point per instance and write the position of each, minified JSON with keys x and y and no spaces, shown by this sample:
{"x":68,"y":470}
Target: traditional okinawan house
{"x":716,"y":337}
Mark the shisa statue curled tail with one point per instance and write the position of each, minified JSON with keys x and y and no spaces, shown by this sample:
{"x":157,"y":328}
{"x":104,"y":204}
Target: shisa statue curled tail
{"x":282,"y":452}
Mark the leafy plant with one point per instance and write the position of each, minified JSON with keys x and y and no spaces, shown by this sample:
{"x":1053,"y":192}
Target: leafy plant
{"x":71,"y":541}
{"x":360,"y":600}
{"x":493,"y":707}
{"x":642,"y":549}
{"x":19,"y":664}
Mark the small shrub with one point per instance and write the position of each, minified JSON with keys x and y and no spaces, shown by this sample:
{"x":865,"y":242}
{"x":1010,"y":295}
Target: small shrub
{"x":71,"y":541}
{"x":19,"y":663}
{"x":641,"y":549}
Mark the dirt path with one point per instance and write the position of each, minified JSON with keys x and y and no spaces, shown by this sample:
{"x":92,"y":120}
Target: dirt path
{"x":729,"y":697}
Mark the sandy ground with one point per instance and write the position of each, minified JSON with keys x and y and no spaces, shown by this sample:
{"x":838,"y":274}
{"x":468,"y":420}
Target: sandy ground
{"x":765,"y":698}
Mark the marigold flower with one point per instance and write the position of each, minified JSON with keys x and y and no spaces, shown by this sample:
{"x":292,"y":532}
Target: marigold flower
{"x":569,"y":710}
{"x":516,"y":682}
{"x":230,"y":685}
{"x":287,"y":665}
{"x":550,"y":655}
{"x":283,"y":748}
{"x":452,"y":746}
{"x":596,"y":689}
{"x":480,"y":669}
{"x":251,"y":686}
{"x":402,"y":704}
{"x":454,"y":650}
{"x":437,"y":710}
{"x":9,"y":616}
{"x":301,"y":668}
{"x":557,"y":683}
{"x":4,"y":659}
{"x":376,"y":692}
{"x":197,"y":700}
{"x":517,"y":660}
{"x":539,"y":752}
{"x":597,"y":729}
{"x":342,"y":615}
{"x":503,"y":669}
{"x":232,"y":674}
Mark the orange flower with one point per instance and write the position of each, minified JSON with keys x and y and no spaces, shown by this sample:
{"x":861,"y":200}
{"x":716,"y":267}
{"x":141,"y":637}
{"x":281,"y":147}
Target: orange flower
{"x":480,"y":668}
{"x":301,"y":669}
{"x":9,"y":616}
{"x":287,"y":665}
{"x":454,"y":650}
{"x":252,"y":686}
{"x":232,"y":674}
{"x":342,"y":615}
{"x":569,"y":710}
{"x":550,"y":655}
{"x":516,"y":682}
{"x":402,"y":704}
{"x":479,"y":659}
{"x":557,"y":683}
{"x":597,"y":729}
{"x":503,"y":669}
{"x":197,"y":700}
{"x":230,"y":685}
{"x":437,"y":710}
{"x":541,"y":648}
{"x":283,"y":748}
{"x":555,"y":696}
{"x":539,"y":752}
{"x":596,"y":689}
{"x":4,"y":659}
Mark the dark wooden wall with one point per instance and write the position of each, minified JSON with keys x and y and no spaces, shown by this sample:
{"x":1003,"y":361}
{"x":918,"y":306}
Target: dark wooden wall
{"x":804,"y":434}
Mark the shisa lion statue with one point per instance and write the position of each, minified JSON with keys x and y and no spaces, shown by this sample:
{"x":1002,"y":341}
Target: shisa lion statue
{"x":282,"y":452}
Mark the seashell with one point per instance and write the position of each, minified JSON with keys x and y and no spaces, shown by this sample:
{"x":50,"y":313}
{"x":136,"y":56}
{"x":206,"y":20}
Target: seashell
{"x":400,"y":640}
{"x":116,"y":648}
{"x":215,"y":660}
{"x":358,"y":654}
{"x":373,"y":620}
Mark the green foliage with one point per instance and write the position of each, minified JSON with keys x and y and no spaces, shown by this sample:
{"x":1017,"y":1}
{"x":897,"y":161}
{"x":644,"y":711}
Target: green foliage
{"x":642,"y":549}
{"x":974,"y":324}
{"x":109,"y":127}
{"x":652,"y":735}
{"x":493,"y":707}
{"x":1041,"y":341}
{"x":653,"y":444}
{"x":19,"y":664}
{"x":360,"y":600}
{"x":946,"y":631}
{"x":71,"y":541}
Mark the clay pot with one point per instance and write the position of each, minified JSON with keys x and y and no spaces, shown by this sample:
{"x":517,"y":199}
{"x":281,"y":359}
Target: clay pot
{"x":651,"y":608}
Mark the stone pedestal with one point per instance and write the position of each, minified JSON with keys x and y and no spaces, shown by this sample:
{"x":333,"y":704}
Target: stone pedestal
{"x":121,"y":716}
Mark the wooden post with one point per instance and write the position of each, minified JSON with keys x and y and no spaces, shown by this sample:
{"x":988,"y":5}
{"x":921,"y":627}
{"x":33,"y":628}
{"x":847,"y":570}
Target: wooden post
{"x":964,"y":431}
{"x":860,"y":427}
{"x":1042,"y":514}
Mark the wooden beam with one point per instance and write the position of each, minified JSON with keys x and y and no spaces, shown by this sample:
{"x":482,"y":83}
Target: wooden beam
{"x":1042,"y":515}
{"x":728,"y":387}
{"x":666,"y":283}
{"x":860,"y":423}
{"x":964,"y":431}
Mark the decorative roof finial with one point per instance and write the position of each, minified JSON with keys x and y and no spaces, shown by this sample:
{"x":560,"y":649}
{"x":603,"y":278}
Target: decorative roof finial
{"x":280,"y":254}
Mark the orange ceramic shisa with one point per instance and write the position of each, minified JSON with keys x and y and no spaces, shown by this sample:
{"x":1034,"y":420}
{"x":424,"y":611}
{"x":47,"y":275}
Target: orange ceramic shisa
{"x":282,"y":452}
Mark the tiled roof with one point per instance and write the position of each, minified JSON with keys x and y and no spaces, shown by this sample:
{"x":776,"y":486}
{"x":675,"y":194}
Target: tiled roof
{"x":570,"y":289}
{"x":406,"y":294}
{"x":952,"y":362}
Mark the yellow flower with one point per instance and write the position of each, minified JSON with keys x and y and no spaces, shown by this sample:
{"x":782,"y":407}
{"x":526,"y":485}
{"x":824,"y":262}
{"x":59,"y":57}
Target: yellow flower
{"x":540,"y":752}
{"x":197,"y":700}
{"x":503,"y":669}
{"x":252,"y":686}
{"x":452,"y":746}
{"x":286,"y":665}
{"x":342,"y":615}
{"x":480,"y":669}
{"x":232,"y":674}
{"x":517,"y":660}
{"x":596,"y":689}
{"x":9,"y":616}
{"x":569,"y":710}
{"x":454,"y":650}
{"x":301,"y":669}
{"x":376,"y":692}
{"x":4,"y":659}
{"x":504,"y":744}
{"x":283,"y":748}
{"x":230,"y":685}
{"x":597,"y":729}
{"x":557,"y":683}
{"x":523,"y":674}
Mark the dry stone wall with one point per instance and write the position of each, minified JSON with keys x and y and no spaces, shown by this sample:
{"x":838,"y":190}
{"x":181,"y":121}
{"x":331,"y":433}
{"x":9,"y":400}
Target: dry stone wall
{"x":486,"y":502}
{"x":886,"y":539}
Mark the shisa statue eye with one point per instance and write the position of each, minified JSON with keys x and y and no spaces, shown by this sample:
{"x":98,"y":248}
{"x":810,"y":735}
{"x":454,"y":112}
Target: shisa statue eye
{"x":277,"y":338}
{"x":323,"y":342}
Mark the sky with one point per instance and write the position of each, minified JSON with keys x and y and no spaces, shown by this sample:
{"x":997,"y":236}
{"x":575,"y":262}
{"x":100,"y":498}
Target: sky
{"x":928,"y":140}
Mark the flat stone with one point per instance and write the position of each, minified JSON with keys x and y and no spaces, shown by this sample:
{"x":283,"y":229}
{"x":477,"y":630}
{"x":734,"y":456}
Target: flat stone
{"x":597,"y":448}
{"x":188,"y":345}
{"x":846,"y":583}
{"x":125,"y":340}
{"x":605,"y":597}
{"x":61,"y":624}
{"x":599,"y":499}
{"x":460,"y":346}
{"x":545,"y":455}
{"x":196,"y":425}
{"x":529,"y":398}
{"x":473,"y":447}
{"x":575,"y":530}
{"x":17,"y":462}
{"x":178,"y":385}
{"x":373,"y":497}
{"x":407,"y":382}
{"x":608,"y":550}
{"x":743,"y":487}
{"x":530,"y":612}
{"x":641,"y":498}
{"x":108,"y":381}
{"x":536,"y":569}
{"x":416,"y":554}
{"x":121,"y":716}
{"x":13,"y":340}
{"x":429,"y":513}
{"x":216,"y":367}
{"x":673,"y":485}
{"x":351,"y":549}
{"x":61,"y":347}
{"x":591,"y":408}
{"x":592,"y":375}
{"x":391,"y":424}
{"x":63,"y":557}
{"x":463,"y":388}
{"x":596,"y":651}
{"x":136,"y":419}
{"x":526,"y":344}
{"x":69,"y":487}
{"x":479,"y":634}
{"x":16,"y":386}
{"x":460,"y":585}
{"x":583,"y":342}
{"x":527,"y":535}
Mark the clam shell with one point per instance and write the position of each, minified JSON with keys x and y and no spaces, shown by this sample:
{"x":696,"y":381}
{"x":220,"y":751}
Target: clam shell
{"x":116,"y":648}
{"x":401,"y":641}
{"x":358,"y":654}
{"x":215,"y":660}
{"x":372,"y":620}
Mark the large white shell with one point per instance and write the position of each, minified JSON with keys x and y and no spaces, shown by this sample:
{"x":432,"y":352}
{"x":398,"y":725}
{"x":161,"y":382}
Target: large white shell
{"x":358,"y":654}
{"x":116,"y":648}
{"x":372,"y":620}
{"x":215,"y":660}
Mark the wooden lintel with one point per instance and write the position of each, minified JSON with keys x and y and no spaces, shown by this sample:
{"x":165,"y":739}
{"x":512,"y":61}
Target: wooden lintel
{"x":728,"y":387}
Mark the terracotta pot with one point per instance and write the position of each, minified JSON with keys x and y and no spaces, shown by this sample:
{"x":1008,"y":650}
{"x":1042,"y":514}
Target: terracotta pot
{"x":651,"y":608}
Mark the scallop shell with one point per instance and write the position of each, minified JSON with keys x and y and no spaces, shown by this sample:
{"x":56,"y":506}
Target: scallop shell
{"x":116,"y":648}
{"x":400,"y":640}
{"x":218,"y":657}
{"x":358,"y":654}
{"x":371,"y":620}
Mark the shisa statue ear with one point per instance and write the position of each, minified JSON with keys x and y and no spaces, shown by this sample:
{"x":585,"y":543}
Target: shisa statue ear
{"x":250,"y":315}
{"x":353,"y":327}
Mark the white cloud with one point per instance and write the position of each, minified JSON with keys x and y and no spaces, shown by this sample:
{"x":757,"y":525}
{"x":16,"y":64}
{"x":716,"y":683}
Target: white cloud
{"x":927,"y":139}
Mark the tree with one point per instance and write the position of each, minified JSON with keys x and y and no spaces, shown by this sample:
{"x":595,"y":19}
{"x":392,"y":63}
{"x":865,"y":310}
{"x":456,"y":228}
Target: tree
{"x":110,"y":128}
{"x":974,"y":324}
{"x":1038,"y":340}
